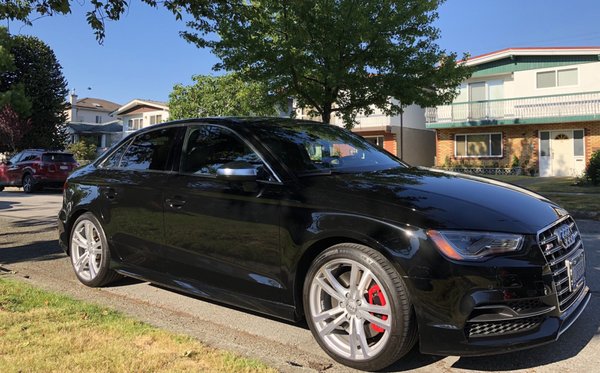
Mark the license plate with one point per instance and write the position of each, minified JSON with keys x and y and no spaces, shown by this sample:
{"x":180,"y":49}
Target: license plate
{"x":64,"y":167}
{"x":575,"y":270}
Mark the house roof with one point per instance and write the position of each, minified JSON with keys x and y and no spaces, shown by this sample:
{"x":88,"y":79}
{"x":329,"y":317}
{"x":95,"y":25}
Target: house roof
{"x":533,"y":51}
{"x":93,"y":103}
{"x":159,"y":105}
{"x":110,"y":127}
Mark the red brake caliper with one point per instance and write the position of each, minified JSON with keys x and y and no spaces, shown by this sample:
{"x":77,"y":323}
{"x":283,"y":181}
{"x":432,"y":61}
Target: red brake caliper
{"x":376,"y":297}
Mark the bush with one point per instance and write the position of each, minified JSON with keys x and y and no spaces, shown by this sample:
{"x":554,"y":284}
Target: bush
{"x":83,"y":150}
{"x":592,"y":171}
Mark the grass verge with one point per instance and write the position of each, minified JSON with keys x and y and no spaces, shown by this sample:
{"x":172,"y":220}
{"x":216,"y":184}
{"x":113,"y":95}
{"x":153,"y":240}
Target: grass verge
{"x":47,"y":332}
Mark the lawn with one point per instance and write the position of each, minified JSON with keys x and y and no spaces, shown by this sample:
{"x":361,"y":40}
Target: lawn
{"x":47,"y":332}
{"x":563,"y":190}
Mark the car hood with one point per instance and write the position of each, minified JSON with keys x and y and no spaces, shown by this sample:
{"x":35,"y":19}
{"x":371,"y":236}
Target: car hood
{"x":436,"y":199}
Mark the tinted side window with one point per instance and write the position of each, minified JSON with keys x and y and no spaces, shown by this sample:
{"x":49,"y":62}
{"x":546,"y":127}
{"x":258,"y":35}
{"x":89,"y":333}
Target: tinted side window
{"x":27,"y":157}
{"x":115,"y":158}
{"x":149,"y":151}
{"x":209,"y":147}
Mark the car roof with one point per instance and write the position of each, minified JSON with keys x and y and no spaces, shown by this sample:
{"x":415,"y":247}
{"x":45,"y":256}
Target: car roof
{"x":46,"y":151}
{"x":247,"y":122}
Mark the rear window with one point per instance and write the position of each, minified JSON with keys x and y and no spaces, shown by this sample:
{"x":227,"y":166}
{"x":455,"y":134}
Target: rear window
{"x":58,"y":157}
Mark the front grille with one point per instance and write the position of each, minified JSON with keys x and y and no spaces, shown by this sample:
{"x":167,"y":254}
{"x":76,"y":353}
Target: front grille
{"x":556,"y":253}
{"x":500,"y":328}
{"x":524,"y":306}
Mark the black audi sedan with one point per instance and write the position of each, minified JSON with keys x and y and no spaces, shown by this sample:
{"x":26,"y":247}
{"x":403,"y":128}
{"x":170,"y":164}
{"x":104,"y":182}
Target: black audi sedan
{"x":299,"y":219}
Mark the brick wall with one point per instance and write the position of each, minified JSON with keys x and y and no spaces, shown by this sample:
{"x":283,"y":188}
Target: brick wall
{"x":521,"y":141}
{"x":389,"y":140}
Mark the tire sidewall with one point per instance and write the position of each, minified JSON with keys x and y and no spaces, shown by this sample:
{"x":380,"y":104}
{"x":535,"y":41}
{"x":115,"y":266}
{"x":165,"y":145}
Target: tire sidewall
{"x":343,"y":251}
{"x":31,"y":186}
{"x":104,"y":262}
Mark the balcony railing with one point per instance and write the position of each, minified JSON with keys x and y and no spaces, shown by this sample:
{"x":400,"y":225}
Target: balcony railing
{"x":514,"y":109}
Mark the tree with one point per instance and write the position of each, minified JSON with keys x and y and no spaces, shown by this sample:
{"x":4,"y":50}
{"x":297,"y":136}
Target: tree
{"x":337,"y":57}
{"x":98,"y":10}
{"x":39,"y":76}
{"x":13,"y":96}
{"x":83,"y":150}
{"x":226,"y":95}
{"x":12,"y":129}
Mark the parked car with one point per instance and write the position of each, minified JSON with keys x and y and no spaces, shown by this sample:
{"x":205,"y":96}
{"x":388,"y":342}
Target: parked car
{"x":304,"y":220}
{"x":34,"y":169}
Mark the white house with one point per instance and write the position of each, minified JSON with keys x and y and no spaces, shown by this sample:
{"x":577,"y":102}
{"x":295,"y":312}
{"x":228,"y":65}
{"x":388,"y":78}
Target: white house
{"x":91,"y":119}
{"x":138,"y":113}
{"x":538,"y":107}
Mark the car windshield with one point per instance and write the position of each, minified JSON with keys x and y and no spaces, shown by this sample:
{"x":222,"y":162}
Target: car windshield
{"x":58,"y":157}
{"x":310,"y":148}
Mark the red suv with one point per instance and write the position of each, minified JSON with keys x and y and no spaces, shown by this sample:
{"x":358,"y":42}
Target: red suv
{"x":34,"y":169}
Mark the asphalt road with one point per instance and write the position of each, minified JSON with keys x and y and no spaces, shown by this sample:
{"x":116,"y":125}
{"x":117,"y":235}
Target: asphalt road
{"x":29,"y":252}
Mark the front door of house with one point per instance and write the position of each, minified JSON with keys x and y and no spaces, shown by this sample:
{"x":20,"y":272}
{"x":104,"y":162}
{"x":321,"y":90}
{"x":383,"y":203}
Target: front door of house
{"x":561,"y":152}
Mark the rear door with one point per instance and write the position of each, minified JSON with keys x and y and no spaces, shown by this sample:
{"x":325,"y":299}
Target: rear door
{"x":131,"y":183}
{"x":223,"y":234}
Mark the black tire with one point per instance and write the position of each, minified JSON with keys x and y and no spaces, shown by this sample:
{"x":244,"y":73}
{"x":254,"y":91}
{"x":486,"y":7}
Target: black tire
{"x":28,"y":184}
{"x":402,"y":328}
{"x":1,"y":188}
{"x":104,"y":275}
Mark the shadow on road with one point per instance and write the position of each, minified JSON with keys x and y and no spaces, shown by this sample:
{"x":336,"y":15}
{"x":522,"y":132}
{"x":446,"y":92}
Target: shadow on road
{"x":31,"y":252}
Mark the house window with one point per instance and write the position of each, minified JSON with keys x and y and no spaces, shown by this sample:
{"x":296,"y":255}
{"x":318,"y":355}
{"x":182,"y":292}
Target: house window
{"x":98,"y":119}
{"x":578,"y":143}
{"x":155,"y":119}
{"x":135,"y":124}
{"x":556,"y":78}
{"x":544,"y":144}
{"x":478,"y":145}
{"x":375,"y":140}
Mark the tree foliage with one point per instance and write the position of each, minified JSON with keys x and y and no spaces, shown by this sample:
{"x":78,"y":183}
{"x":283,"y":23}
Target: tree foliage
{"x":227,"y":95}
{"x":36,"y":77}
{"x":340,"y":57}
{"x":592,"y":171}
{"x":83,"y":150}
{"x":97,"y":12}
{"x":12,"y":129}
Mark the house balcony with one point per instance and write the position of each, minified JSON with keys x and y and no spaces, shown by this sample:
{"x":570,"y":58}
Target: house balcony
{"x":573,"y":107}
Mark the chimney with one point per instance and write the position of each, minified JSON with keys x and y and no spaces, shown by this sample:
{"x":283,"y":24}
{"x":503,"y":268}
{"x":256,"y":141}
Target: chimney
{"x":73,"y":101}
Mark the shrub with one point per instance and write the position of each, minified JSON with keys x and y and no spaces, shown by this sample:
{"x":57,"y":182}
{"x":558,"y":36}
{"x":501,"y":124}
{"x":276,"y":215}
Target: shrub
{"x":515,"y":162}
{"x":83,"y":150}
{"x":592,"y":171}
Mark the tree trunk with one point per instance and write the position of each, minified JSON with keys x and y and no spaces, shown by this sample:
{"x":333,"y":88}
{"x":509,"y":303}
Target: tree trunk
{"x":326,"y":114}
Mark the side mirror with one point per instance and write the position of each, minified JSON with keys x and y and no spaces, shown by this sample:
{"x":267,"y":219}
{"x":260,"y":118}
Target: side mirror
{"x":237,"y":171}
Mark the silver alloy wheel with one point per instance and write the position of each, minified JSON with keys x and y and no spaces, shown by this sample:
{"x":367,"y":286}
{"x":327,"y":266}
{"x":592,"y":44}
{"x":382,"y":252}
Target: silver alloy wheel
{"x":86,"y":250}
{"x":27,"y":184}
{"x":350,"y":325}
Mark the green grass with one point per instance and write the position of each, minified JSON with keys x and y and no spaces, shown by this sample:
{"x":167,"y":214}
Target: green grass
{"x":554,"y":188}
{"x":47,"y":332}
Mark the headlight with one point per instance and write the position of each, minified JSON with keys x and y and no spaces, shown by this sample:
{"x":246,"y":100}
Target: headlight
{"x":461,"y":245}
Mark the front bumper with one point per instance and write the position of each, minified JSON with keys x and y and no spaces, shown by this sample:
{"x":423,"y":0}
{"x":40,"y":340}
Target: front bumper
{"x":506,"y":303}
{"x":445,"y":340}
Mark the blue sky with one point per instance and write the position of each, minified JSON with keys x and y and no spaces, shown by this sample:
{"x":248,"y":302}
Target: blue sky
{"x":143,"y":55}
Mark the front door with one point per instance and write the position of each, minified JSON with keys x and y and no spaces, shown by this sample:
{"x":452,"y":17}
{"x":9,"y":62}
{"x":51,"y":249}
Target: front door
{"x":562,"y":153}
{"x":132,"y":184}
{"x":222,"y":234}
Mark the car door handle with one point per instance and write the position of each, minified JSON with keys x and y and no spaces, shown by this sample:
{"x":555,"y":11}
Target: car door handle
{"x":110,"y":193}
{"x":175,"y":202}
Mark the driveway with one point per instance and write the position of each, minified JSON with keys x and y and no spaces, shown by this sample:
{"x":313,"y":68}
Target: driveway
{"x":29,"y":252}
